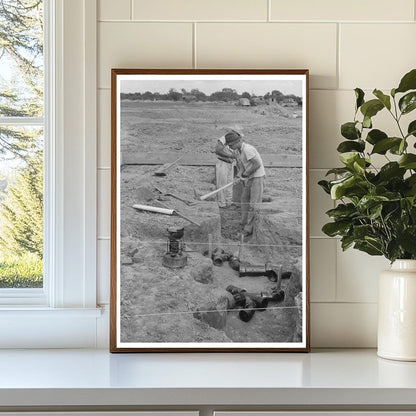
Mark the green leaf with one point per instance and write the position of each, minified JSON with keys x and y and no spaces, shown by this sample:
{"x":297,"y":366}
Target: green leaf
{"x":359,"y":95}
{"x":407,"y":240}
{"x":411,"y":185}
{"x":371,"y":108}
{"x":367,"y":122}
{"x":408,"y":82}
{"x":408,"y":102}
{"x":369,"y":201}
{"x":368,"y":248}
{"x":338,"y":171}
{"x":346,"y":242}
{"x":408,"y":161}
{"x":375,"y":212}
{"x":385,"y":99}
{"x":361,"y":231}
{"x":402,"y":146}
{"x":336,"y":228}
{"x":383,"y":145}
{"x":348,"y":158}
{"x":325,"y":186}
{"x":342,"y":211}
{"x":338,"y":189}
{"x":393,"y":250}
{"x":391,"y":170}
{"x":375,"y":136}
{"x":398,"y":149}
{"x":349,"y":146}
{"x":411,"y":130}
{"x":359,"y":165}
{"x":342,"y":179}
{"x":349,"y":131}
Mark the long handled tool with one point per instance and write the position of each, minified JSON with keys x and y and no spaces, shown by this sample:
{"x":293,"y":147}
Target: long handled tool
{"x":204,"y":197}
{"x":166,"y":211}
{"x":185,"y":201}
{"x":162,"y":171}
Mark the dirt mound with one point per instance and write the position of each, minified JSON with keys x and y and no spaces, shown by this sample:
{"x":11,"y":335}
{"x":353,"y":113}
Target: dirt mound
{"x":275,"y":109}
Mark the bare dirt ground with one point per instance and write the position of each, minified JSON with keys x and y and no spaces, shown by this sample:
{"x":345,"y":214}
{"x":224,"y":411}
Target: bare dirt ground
{"x":159,"y":304}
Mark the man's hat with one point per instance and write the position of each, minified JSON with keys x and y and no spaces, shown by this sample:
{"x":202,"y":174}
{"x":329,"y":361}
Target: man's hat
{"x":232,"y":137}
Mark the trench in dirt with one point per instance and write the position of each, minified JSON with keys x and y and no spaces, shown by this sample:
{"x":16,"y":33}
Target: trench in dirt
{"x":277,"y":321}
{"x":158,"y":303}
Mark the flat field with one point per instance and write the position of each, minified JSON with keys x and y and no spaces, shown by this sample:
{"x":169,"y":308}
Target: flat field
{"x":160,"y":304}
{"x":166,"y":126}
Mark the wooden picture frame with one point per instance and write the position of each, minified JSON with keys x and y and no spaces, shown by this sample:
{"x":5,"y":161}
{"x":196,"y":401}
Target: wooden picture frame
{"x":192,"y":269}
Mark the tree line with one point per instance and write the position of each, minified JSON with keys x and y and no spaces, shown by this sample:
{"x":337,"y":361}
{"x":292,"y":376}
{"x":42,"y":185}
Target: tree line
{"x":225,"y":95}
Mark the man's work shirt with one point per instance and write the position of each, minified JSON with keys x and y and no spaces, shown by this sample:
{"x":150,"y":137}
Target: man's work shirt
{"x":249,"y":152}
{"x":224,"y":159}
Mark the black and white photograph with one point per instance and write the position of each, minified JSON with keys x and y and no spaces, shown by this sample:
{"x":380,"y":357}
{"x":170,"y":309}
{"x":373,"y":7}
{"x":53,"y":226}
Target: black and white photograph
{"x":209,"y":232}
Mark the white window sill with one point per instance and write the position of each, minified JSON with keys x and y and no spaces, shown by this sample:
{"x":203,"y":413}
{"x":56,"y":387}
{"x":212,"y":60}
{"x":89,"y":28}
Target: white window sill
{"x":40,"y":327}
{"x":36,"y":312}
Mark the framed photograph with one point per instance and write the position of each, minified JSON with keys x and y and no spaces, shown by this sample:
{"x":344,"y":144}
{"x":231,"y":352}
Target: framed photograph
{"x":209,"y":211}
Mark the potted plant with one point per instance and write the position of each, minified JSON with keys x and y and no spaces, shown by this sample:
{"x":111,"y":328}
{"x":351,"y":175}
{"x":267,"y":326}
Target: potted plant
{"x":376,"y":206}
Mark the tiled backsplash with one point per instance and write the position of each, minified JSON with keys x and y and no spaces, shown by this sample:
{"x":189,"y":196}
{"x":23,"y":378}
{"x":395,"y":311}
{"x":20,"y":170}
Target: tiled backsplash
{"x":345,"y":44}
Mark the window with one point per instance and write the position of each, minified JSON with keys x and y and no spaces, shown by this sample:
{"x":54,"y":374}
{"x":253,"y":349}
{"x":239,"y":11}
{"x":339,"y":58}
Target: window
{"x":22,"y":132}
{"x":63,"y":313}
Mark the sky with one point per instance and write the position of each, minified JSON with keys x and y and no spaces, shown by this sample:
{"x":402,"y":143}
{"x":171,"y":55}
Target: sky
{"x":252,"y":86}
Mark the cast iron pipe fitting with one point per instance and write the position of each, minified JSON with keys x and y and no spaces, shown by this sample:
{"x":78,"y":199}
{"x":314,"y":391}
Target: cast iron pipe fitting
{"x":234,"y":263}
{"x":270,"y":270}
{"x":219,"y":256}
{"x":249,"y":302}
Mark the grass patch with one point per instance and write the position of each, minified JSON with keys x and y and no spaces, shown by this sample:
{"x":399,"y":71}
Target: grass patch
{"x":24,"y":271}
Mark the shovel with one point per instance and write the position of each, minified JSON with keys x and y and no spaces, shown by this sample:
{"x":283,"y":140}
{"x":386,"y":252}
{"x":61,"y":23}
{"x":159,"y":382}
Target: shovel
{"x":185,"y":201}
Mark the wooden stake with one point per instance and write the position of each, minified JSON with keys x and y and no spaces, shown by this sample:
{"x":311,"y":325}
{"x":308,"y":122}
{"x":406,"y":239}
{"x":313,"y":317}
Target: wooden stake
{"x":240,"y":248}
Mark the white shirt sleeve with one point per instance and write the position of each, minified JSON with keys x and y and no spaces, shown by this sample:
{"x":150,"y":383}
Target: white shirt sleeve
{"x":249,"y":152}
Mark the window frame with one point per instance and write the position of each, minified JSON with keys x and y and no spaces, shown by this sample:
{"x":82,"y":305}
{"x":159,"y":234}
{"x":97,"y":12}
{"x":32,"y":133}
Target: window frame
{"x":38,"y":296}
{"x":70,"y":230}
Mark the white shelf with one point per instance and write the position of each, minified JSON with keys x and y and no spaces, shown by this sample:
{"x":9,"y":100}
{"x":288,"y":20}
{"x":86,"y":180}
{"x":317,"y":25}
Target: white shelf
{"x":56,"y":378}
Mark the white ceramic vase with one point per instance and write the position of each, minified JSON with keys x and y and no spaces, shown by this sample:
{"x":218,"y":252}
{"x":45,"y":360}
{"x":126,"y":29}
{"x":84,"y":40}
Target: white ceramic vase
{"x":397,"y":312}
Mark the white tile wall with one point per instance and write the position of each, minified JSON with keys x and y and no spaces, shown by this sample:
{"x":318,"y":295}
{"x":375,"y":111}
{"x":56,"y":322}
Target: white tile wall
{"x":357,"y":10}
{"x":357,"y":275}
{"x":104,"y":128}
{"x":103,"y":271}
{"x":345,"y":44}
{"x":114,"y":10}
{"x":142,"y":45}
{"x":323,"y":269}
{"x":328,"y":110}
{"x":337,"y":325}
{"x":104,"y":202}
{"x":271,"y":45}
{"x":387,"y":52}
{"x":200,"y":10}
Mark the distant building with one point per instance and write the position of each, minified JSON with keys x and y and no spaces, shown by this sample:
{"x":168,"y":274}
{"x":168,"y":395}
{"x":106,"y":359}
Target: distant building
{"x":289,"y":102}
{"x":245,"y":102}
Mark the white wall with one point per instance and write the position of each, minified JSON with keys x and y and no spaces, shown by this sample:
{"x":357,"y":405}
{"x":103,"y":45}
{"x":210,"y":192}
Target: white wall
{"x":345,"y":44}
